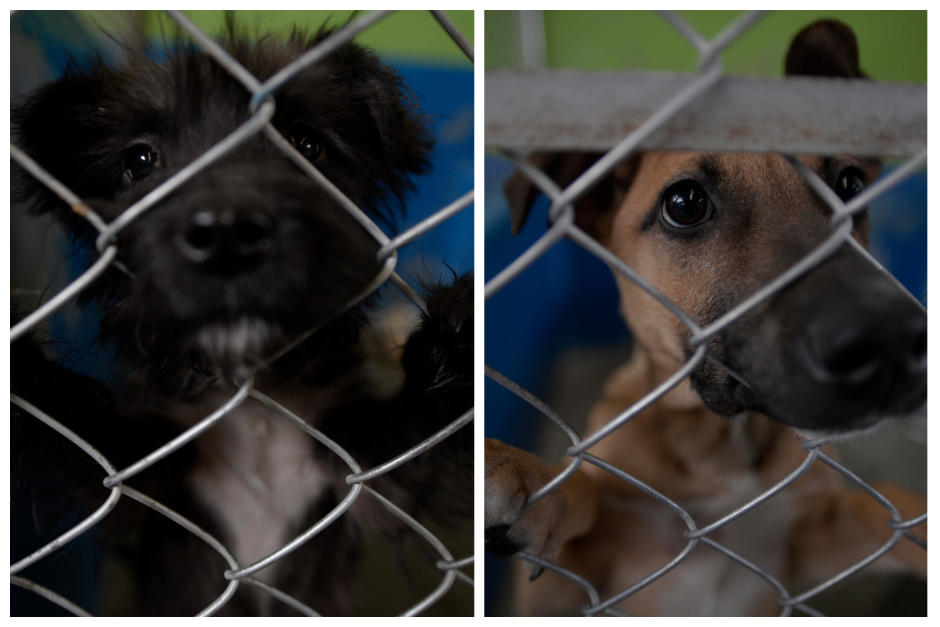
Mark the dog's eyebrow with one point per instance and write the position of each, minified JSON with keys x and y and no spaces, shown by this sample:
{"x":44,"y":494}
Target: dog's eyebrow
{"x":650,"y":219}
{"x":710,"y":171}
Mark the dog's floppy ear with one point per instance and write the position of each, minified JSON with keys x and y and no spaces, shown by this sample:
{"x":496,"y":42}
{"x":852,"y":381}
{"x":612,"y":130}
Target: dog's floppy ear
{"x":592,"y":210}
{"x":382,"y":110}
{"x":58,"y":126}
{"x":824,"y":48}
{"x":399,"y":122}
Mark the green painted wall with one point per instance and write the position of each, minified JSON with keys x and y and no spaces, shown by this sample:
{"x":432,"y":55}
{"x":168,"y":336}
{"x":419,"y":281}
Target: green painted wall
{"x":893,"y":44}
{"x":403,"y":34}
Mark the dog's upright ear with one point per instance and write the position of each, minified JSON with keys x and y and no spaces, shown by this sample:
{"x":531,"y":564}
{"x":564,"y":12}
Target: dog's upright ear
{"x":824,"y":48}
{"x":592,"y":210}
{"x":828,"y":48}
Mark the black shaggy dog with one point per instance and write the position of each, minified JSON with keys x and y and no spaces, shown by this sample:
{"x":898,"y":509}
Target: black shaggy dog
{"x":214,"y":282}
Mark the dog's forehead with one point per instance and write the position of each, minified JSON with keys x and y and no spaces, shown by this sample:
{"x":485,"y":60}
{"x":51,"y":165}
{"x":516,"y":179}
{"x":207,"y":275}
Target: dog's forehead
{"x":191,"y":80}
{"x":724,"y":169}
{"x":192,"y":102}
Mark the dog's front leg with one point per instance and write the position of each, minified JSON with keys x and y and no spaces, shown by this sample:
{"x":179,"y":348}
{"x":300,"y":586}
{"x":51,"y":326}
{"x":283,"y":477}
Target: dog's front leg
{"x":842,"y":528}
{"x":544,"y":526}
{"x":438,"y":390}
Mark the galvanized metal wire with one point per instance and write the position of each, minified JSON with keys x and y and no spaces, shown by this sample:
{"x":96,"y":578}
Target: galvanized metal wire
{"x":262,"y":97}
{"x":562,"y":226}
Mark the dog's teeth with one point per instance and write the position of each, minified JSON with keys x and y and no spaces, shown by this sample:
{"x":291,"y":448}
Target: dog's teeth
{"x":234,"y":343}
{"x":239,"y":337}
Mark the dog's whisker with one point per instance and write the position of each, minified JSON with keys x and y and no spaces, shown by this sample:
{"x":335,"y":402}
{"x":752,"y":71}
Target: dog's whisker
{"x":737,"y":376}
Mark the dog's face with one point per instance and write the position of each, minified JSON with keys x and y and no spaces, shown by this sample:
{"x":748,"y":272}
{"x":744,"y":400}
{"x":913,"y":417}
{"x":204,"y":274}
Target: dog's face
{"x":251,"y":252}
{"x":836,"y":350}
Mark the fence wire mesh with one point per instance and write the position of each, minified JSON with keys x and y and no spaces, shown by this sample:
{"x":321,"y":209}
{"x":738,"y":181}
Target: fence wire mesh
{"x":698,"y":535}
{"x":263,"y":99}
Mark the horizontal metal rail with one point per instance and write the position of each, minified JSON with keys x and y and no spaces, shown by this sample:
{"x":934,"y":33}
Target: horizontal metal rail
{"x":548,"y":110}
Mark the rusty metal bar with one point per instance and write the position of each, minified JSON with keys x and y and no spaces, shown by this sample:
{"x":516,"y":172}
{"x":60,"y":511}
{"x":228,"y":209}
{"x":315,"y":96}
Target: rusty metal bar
{"x":547,"y":110}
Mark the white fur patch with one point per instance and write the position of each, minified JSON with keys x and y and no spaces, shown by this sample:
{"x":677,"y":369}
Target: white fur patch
{"x":258,"y":473}
{"x":383,"y":343}
{"x":237,"y":341}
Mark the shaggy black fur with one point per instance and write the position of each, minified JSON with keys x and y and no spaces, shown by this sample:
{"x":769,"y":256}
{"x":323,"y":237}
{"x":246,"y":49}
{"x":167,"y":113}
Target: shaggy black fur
{"x":226,"y":271}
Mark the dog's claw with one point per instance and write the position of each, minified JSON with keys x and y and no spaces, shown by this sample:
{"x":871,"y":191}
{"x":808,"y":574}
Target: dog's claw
{"x":536,"y":573}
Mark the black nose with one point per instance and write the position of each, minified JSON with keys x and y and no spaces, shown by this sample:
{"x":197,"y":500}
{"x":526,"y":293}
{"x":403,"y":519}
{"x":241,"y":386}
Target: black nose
{"x":874,"y":347}
{"x":225,"y":242}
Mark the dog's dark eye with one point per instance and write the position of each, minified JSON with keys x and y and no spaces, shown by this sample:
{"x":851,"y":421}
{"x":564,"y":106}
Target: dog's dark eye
{"x":140,"y":161}
{"x":685,"y":204}
{"x":307,"y":144}
{"x":850,"y":183}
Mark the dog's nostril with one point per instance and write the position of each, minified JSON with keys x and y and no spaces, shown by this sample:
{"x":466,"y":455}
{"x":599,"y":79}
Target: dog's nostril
{"x":852,"y":362}
{"x":200,"y":239}
{"x":202,"y":231}
{"x":252,"y":234}
{"x":840,"y":354}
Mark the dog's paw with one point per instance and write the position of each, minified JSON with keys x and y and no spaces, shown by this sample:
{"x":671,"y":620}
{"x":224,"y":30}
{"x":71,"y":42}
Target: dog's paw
{"x":439,"y":354}
{"x":513,"y":525}
{"x":450,"y":310}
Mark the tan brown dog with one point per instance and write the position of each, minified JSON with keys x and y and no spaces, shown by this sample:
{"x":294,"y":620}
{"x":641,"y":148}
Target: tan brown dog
{"x":833,"y":353}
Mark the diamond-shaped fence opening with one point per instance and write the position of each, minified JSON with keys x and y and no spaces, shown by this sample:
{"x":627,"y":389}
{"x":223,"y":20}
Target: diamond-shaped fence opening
{"x":451,"y":569}
{"x":548,"y":110}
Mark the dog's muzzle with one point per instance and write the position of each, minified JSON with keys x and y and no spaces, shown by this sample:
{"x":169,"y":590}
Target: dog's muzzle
{"x":836,"y":351}
{"x":241,"y":260}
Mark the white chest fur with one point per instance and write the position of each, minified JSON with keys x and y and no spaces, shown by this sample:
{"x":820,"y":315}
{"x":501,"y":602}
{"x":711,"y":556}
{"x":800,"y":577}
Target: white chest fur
{"x":258,"y":474}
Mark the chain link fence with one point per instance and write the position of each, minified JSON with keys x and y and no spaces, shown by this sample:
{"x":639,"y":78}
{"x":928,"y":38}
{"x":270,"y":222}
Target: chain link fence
{"x":263,"y":97}
{"x":546,"y":133}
